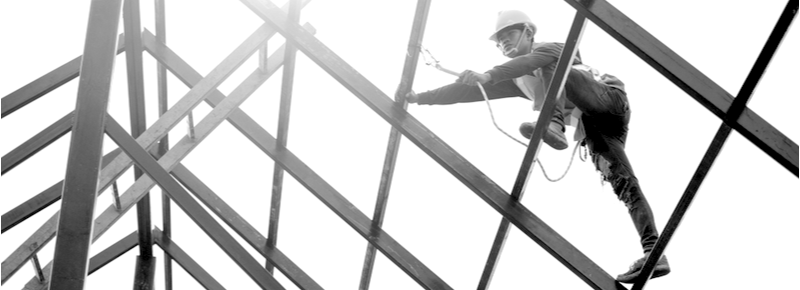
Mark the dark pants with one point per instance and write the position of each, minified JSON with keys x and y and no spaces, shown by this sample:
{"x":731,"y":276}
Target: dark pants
{"x":605,"y":117}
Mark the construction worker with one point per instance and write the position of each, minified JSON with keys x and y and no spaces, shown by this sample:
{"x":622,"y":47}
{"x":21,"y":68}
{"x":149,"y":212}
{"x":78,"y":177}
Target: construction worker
{"x":597,"y":103}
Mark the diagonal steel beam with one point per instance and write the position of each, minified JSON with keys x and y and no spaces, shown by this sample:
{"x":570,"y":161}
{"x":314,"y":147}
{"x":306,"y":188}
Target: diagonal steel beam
{"x":341,"y":206}
{"x":71,"y":258}
{"x":46,"y":83}
{"x":191,"y":207}
{"x":555,"y":89}
{"x":387,"y":173}
{"x":185,"y":261}
{"x":243,"y":228}
{"x":283,"y":131}
{"x":690,"y":79}
{"x":37,"y":142}
{"x":42,"y":200}
{"x":189,"y":76}
{"x":462,"y":169}
{"x":148,"y":139}
{"x":105,"y":256}
{"x":738,"y":106}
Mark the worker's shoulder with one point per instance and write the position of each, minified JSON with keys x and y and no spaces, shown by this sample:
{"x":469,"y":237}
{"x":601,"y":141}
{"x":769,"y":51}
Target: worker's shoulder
{"x":548,"y":46}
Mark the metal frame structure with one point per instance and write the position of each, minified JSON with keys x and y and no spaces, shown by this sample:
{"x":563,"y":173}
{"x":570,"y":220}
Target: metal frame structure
{"x":89,"y":173}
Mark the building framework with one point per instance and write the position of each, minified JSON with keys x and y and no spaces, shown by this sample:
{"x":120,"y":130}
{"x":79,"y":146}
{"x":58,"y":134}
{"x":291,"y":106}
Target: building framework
{"x":158,"y":163}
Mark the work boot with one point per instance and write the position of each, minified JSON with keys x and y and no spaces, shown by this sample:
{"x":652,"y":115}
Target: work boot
{"x":662,"y":268}
{"x":553,"y":137}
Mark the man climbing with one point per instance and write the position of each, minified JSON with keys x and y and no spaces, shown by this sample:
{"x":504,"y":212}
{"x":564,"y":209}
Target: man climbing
{"x":597,"y":102}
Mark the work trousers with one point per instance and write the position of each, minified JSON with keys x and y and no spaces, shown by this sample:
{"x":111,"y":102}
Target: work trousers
{"x":605,"y":117}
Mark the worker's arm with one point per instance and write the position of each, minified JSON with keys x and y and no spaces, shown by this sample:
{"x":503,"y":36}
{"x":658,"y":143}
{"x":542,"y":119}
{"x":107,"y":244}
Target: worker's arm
{"x":542,"y":56}
{"x":461,"y":93}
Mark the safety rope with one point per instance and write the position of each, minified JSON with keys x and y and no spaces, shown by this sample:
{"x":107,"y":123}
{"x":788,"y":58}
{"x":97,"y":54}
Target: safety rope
{"x":432,"y":61}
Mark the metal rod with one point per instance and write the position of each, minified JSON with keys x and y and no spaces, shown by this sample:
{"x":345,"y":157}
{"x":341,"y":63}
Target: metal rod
{"x":462,"y":169}
{"x":37,"y":142}
{"x":37,"y":268}
{"x":734,"y":112}
{"x":148,"y":139}
{"x":263,"y":55}
{"x":46,"y":83}
{"x":70,"y":262}
{"x":393,"y":146}
{"x":241,"y":226}
{"x":555,"y":91}
{"x":190,"y":122}
{"x":42,"y":200}
{"x":185,"y":261}
{"x":287,"y":83}
{"x":115,"y":193}
{"x":697,"y":85}
{"x":190,"y":206}
{"x":163,"y":145}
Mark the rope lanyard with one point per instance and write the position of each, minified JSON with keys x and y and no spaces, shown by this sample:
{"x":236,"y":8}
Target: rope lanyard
{"x":432,"y":61}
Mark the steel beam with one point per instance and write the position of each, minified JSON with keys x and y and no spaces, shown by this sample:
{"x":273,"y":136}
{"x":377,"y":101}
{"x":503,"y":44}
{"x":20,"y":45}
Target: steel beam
{"x":42,"y":200}
{"x":556,"y":87}
{"x":243,"y":228}
{"x":738,"y":106}
{"x":189,"y":76}
{"x":185,"y":261}
{"x":148,"y":139}
{"x":106,"y":256}
{"x":71,"y":258}
{"x":163,"y":145}
{"x":37,"y":142}
{"x":46,"y":83}
{"x":462,"y":169}
{"x":283,"y":131}
{"x":145,"y":262}
{"x":387,"y":173}
{"x":341,"y":206}
{"x":690,"y":79}
{"x":191,"y":207}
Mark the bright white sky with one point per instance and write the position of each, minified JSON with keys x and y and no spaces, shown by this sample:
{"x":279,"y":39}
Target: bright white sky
{"x":739,"y":233}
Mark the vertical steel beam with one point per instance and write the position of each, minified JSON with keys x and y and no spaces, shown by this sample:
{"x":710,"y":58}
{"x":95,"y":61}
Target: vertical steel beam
{"x":46,"y":83}
{"x":283,"y":130}
{"x":734,"y":112}
{"x":553,"y":93}
{"x":163,"y":145}
{"x":41,"y":200}
{"x":754,"y":128}
{"x":37,"y":142}
{"x":185,"y":261}
{"x":70,"y":263}
{"x":241,"y":226}
{"x":145,"y":263}
{"x":105,"y":256}
{"x":191,"y":207}
{"x":454,"y":163}
{"x":387,"y":173}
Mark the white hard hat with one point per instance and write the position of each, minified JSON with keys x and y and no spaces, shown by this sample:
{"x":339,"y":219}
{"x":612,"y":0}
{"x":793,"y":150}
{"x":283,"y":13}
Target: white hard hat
{"x":508,"y":18}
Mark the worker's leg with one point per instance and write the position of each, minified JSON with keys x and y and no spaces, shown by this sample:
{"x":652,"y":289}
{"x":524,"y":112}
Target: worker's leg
{"x":592,"y":97}
{"x":554,"y":136}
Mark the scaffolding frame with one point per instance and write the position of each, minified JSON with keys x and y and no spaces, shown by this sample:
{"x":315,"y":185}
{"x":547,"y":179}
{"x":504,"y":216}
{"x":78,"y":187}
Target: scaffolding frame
{"x":157,"y":163}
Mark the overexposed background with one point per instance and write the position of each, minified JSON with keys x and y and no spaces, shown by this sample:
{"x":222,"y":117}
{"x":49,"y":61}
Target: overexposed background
{"x":740,"y":232}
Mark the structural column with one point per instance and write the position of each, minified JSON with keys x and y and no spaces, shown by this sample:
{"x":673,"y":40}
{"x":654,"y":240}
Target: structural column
{"x":74,"y":234}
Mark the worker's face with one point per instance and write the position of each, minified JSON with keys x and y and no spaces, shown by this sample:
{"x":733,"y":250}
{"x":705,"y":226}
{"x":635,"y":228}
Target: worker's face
{"x":508,"y":40}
